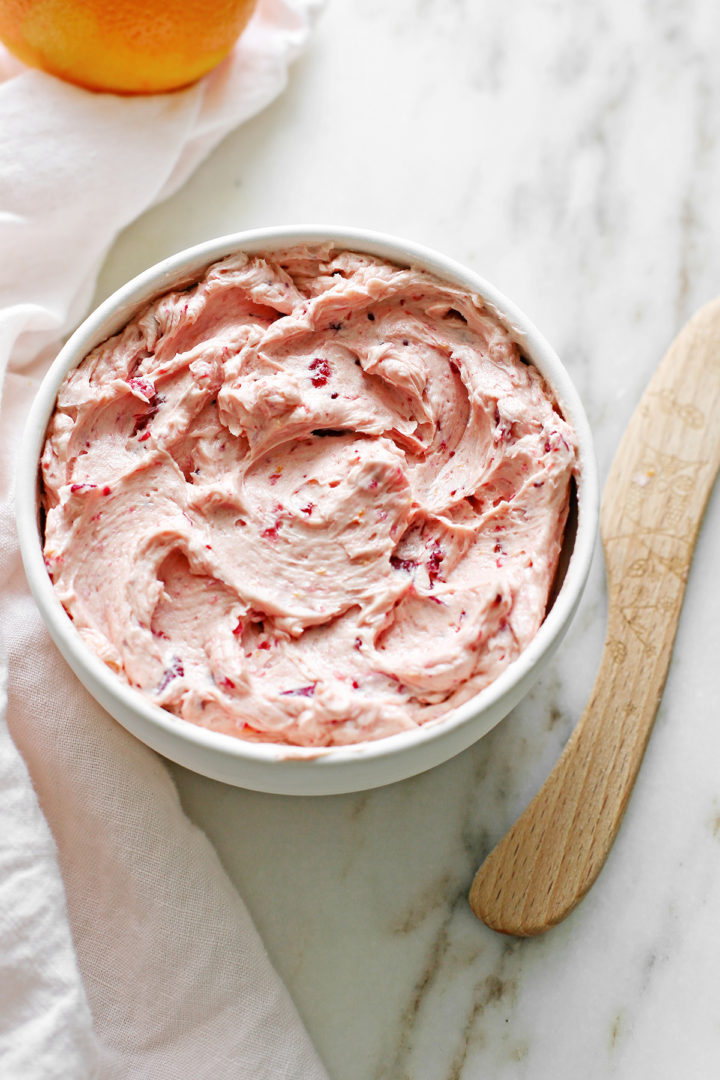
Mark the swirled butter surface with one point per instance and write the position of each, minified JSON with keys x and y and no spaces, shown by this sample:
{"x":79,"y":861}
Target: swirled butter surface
{"x":313,"y":498}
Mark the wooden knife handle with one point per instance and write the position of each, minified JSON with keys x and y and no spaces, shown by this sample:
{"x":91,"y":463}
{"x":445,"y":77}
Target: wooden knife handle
{"x":652,"y":508}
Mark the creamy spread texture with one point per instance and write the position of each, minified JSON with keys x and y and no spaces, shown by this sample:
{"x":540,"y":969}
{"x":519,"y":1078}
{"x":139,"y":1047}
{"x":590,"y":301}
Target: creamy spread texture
{"x":314,"y":498}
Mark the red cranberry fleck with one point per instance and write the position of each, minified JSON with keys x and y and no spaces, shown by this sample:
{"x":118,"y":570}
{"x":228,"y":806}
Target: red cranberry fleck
{"x":302,"y":691}
{"x":433,"y":563}
{"x":264,"y":645}
{"x":227,"y":683}
{"x":175,"y":670}
{"x":106,"y":490}
{"x":322,"y":371}
{"x":144,"y":388}
{"x":403,"y":564}
{"x":358,"y":643}
{"x":274,"y":477}
{"x":355,"y":684}
{"x":271,"y":533}
{"x":239,"y":628}
{"x":307,"y":509}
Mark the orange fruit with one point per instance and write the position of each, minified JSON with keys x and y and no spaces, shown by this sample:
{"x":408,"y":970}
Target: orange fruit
{"x":123,"y":46}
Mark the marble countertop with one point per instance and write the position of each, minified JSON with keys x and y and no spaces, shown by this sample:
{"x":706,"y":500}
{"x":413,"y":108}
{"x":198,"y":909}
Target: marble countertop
{"x":569,"y":154}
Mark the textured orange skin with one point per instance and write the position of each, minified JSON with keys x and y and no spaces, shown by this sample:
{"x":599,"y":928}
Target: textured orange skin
{"x":123,"y":46}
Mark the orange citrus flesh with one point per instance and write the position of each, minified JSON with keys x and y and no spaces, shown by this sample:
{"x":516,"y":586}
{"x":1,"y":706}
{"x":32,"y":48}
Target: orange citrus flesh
{"x":123,"y":46}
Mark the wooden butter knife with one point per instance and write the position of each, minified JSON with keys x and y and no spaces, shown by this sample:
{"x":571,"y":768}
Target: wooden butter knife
{"x":651,"y":512}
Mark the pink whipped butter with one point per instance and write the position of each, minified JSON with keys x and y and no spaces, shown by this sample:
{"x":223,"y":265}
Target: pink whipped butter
{"x":312,"y":499}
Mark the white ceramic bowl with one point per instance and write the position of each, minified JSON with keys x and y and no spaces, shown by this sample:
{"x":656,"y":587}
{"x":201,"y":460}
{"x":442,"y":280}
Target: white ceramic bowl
{"x":282,"y":769}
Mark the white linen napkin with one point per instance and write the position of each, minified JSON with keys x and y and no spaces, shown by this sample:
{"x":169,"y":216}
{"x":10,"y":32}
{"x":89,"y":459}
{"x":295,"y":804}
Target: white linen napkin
{"x":125,"y":952}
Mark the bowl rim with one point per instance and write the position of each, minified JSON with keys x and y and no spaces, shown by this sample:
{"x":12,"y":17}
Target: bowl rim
{"x":115,"y":311}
